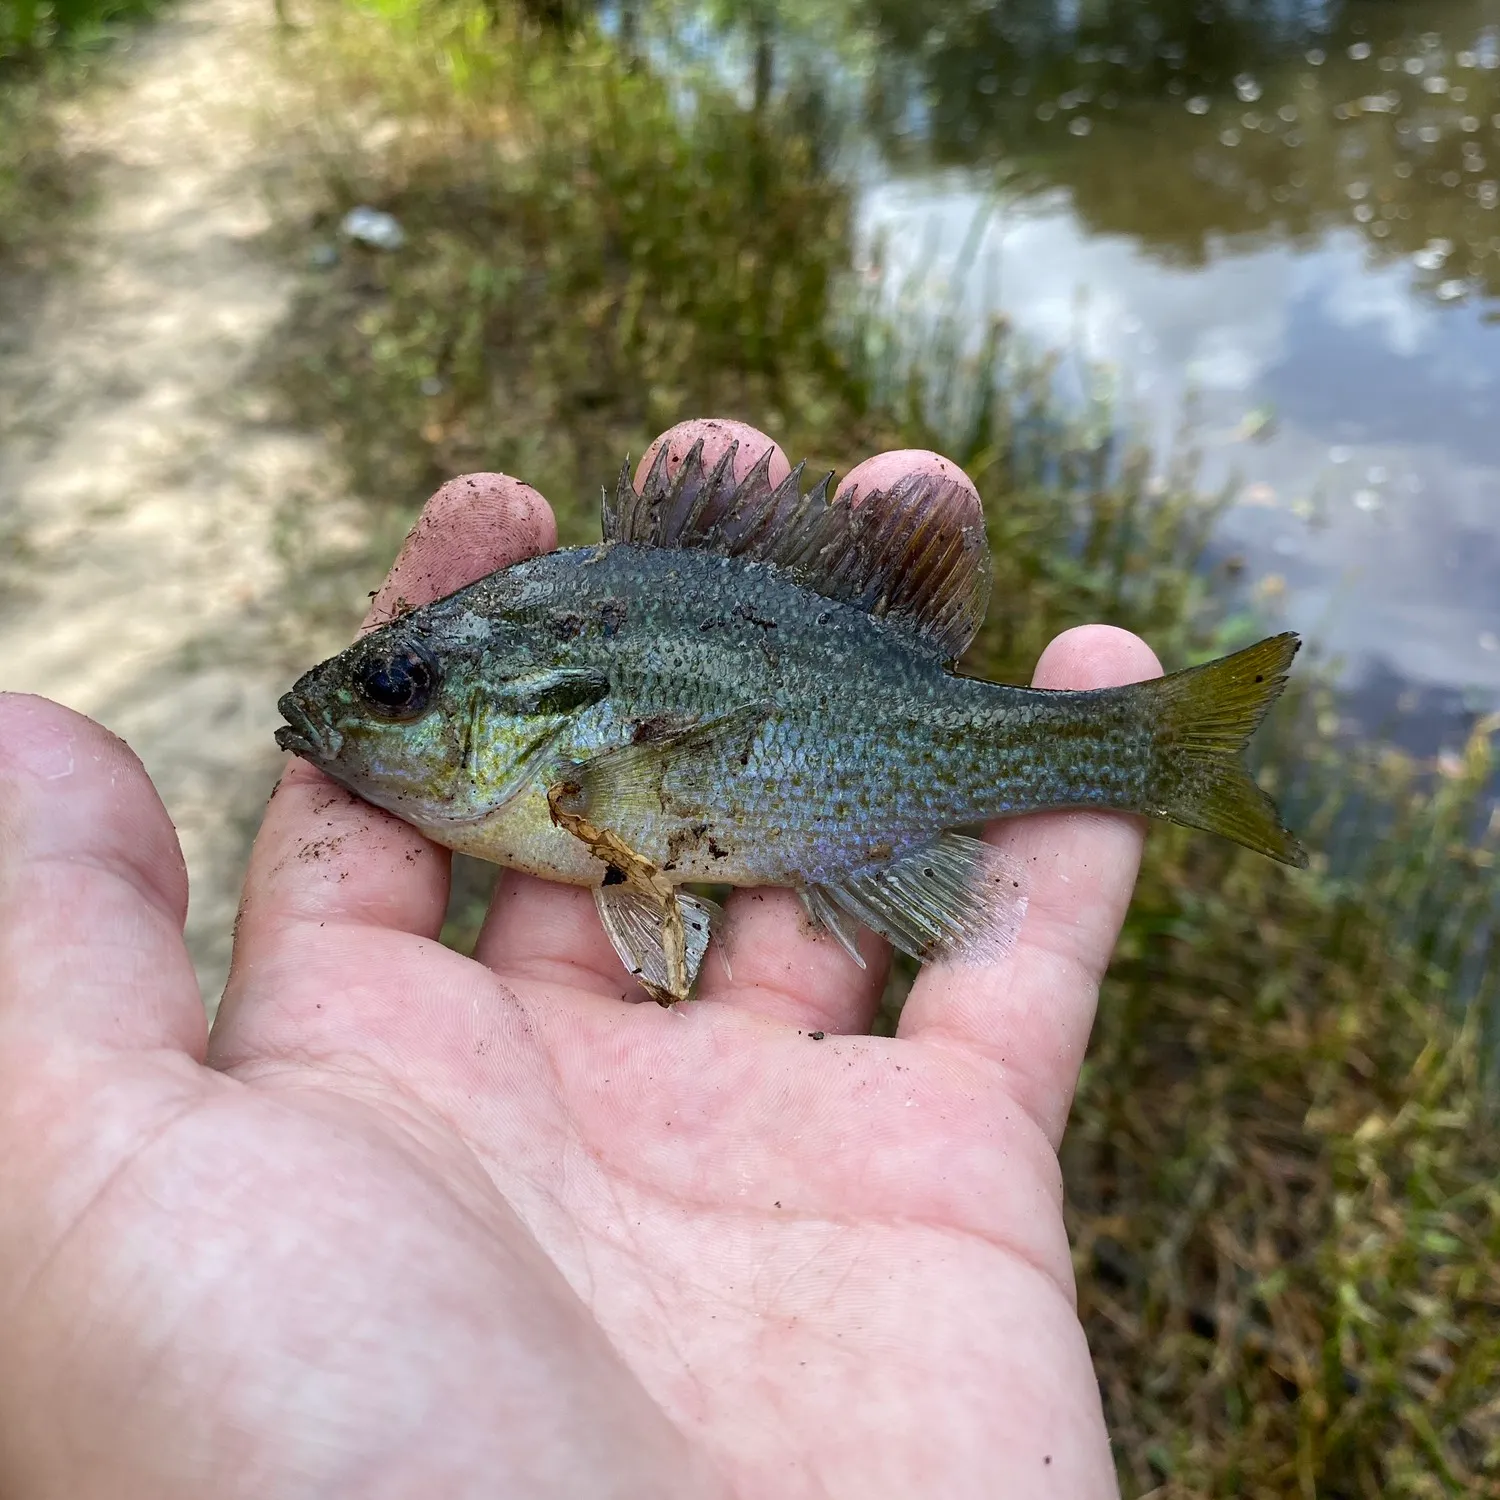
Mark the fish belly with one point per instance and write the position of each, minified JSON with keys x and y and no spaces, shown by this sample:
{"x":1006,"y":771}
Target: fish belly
{"x":522,"y":835}
{"x":718,"y":845}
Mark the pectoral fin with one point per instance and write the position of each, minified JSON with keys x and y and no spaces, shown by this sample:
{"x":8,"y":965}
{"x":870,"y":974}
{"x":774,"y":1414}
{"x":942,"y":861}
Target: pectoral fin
{"x":956,"y":897}
{"x":672,"y":771}
{"x":633,"y":922}
{"x":653,"y":893}
{"x":628,"y":785}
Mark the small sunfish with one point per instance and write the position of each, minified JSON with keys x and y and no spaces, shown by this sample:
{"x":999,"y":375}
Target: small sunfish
{"x":747,"y":684}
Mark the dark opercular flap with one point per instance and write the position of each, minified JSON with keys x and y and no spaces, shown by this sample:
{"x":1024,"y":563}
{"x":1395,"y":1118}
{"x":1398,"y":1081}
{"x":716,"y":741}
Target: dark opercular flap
{"x":914,"y":553}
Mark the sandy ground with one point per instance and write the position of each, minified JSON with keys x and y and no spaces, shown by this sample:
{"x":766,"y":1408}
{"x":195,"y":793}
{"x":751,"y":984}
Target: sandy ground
{"x":140,"y":475}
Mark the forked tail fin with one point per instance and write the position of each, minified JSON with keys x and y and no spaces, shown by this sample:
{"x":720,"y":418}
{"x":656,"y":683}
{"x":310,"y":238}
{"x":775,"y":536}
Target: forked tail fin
{"x":1201,"y":719}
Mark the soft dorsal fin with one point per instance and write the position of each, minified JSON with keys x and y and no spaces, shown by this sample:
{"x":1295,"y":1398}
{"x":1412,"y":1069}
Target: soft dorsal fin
{"x":913,"y":554}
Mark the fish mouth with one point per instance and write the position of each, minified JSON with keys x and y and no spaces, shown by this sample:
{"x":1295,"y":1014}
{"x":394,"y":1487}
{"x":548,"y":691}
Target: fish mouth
{"x":301,"y":735}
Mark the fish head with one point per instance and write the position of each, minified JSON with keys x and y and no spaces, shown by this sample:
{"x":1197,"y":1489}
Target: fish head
{"x":380,"y":718}
{"x":439,"y":717}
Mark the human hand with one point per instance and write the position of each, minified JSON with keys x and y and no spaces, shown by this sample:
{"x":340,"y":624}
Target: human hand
{"x":411,"y":1223}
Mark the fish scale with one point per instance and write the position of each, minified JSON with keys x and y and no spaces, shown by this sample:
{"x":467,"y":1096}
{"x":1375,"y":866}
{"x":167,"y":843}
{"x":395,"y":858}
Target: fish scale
{"x":941,"y":750}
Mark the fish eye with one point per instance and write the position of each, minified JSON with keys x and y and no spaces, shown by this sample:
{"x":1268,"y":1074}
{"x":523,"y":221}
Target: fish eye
{"x":398,"y":682}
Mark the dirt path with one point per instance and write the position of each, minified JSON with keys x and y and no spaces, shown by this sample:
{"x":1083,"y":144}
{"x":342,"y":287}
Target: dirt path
{"x":139,"y":475}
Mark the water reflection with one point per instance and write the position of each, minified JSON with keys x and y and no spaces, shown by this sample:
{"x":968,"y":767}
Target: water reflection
{"x":1188,"y":125}
{"x":1290,"y":211}
{"x":1294,"y":215}
{"x":1359,"y":416}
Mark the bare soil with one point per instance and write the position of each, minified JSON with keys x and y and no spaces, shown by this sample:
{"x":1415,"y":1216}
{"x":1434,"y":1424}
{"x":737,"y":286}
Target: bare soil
{"x":142,"y":477}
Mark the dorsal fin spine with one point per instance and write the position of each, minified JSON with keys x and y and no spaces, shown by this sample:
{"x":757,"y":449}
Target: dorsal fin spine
{"x":914,"y":554}
{"x":684,"y":518}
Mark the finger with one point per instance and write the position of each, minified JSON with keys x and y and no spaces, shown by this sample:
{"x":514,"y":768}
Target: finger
{"x":550,"y":935}
{"x":472,"y":526}
{"x":886,"y":470}
{"x":93,"y":892}
{"x":717,"y":433}
{"x":323,"y":855}
{"x":534,"y":929}
{"x":780,"y":965}
{"x":1032,"y":1011}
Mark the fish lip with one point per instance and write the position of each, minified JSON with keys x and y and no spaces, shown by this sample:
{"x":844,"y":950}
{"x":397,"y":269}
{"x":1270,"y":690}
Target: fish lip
{"x":301,"y":735}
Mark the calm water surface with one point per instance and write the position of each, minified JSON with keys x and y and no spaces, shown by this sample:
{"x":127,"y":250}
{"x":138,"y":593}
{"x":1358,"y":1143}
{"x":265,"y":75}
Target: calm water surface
{"x":1288,"y":216}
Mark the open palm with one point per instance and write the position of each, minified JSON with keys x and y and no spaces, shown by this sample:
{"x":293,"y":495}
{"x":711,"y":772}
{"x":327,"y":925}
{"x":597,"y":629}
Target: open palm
{"x":411,"y":1223}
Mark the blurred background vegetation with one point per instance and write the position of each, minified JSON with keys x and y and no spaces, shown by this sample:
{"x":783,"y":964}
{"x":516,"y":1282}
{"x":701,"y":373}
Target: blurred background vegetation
{"x":31,"y":29}
{"x":45,"y":49}
{"x":1283,"y":1167}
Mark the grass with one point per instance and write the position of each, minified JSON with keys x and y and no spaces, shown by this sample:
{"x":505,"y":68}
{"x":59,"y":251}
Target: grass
{"x":33,"y":29}
{"x":1284,"y":1165}
{"x":1284,"y":1173}
{"x":48,"y":50}
{"x":564,"y":304}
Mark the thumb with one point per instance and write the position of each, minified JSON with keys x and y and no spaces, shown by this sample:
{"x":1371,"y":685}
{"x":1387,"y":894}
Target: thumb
{"x":93,"y":892}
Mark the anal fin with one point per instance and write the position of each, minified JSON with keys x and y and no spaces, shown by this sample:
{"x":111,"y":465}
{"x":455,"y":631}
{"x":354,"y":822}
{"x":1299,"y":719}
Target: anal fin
{"x":957,"y":897}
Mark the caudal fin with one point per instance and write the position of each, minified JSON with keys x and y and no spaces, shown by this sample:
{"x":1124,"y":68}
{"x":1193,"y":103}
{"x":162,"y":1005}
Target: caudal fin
{"x":1202,"y":718}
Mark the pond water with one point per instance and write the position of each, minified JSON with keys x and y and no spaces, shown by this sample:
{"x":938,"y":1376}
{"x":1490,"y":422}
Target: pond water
{"x":1286,"y":215}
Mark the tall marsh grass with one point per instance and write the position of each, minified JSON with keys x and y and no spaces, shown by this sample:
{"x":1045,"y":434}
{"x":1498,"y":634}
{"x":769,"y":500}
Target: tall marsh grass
{"x":1283,"y":1167}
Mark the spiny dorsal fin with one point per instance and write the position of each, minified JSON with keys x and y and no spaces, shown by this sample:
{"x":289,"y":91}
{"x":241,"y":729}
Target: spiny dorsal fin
{"x":914,"y":553}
